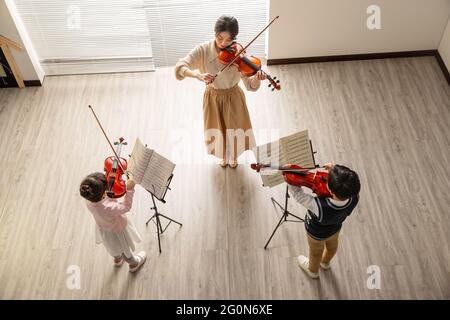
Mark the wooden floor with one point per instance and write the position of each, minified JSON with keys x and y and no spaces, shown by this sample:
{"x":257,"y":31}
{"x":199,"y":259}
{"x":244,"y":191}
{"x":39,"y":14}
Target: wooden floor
{"x":387,"y":119}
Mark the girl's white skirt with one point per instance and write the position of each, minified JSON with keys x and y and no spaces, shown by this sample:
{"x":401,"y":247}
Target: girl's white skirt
{"x":118,"y":243}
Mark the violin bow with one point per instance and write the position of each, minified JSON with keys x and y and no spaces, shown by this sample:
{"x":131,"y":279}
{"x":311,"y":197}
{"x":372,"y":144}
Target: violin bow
{"x":243,"y":49}
{"x":266,"y":167}
{"x":107,"y":139}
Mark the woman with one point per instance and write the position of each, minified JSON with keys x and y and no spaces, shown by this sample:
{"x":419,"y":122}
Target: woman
{"x":227,"y":125}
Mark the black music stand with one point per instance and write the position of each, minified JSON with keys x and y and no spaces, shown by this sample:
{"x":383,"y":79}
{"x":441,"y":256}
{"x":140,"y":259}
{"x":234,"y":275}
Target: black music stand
{"x":156,"y":216}
{"x":285,"y":212}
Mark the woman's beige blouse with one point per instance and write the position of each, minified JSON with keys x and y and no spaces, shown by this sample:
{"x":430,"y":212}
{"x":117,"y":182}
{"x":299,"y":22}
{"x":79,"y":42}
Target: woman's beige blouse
{"x":204,"y":58}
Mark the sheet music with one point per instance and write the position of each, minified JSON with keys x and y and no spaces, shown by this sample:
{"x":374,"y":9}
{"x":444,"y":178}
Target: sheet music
{"x":156,"y":175}
{"x":139,"y":160}
{"x":298,"y":149}
{"x":151,"y":170}
{"x":294,"y":148}
{"x":271,"y":154}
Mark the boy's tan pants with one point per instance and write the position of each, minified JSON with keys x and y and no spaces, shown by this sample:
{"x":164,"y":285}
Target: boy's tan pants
{"x":321,"y":251}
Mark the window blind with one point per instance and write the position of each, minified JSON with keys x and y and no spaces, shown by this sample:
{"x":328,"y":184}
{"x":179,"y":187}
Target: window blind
{"x":87,"y":36}
{"x":92,"y":36}
{"x":177,"y":26}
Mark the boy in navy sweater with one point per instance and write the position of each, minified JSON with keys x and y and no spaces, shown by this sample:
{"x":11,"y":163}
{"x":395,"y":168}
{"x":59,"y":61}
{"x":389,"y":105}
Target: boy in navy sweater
{"x":325,"y":216}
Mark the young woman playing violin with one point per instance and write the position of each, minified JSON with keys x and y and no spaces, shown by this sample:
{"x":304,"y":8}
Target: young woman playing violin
{"x":227,"y":125}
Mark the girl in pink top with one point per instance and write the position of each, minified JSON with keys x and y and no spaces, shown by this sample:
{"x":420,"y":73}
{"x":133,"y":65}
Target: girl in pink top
{"x":114,"y":229}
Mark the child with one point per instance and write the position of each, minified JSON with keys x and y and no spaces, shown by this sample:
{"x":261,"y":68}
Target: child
{"x":325,"y":216}
{"x":113,"y":227}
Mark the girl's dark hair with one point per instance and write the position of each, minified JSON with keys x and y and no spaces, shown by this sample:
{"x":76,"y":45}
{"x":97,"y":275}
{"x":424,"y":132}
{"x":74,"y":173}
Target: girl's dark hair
{"x":227,"y":24}
{"x":93,"y":187}
{"x":343,"y":182}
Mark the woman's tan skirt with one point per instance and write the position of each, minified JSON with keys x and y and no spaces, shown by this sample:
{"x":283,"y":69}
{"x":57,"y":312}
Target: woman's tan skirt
{"x":228,"y":129}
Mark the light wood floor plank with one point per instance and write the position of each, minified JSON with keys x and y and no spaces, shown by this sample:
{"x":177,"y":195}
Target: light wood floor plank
{"x":387,"y":119}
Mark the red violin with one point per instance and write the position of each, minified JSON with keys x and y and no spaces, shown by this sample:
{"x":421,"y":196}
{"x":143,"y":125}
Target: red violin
{"x":116,"y":185}
{"x":247,"y":66}
{"x":234,"y":54}
{"x":301,"y":177}
{"x":114,"y":166}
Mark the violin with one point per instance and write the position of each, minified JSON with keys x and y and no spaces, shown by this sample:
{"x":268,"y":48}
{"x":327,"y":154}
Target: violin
{"x":115,"y":184}
{"x":301,"y":177}
{"x":114,"y":166}
{"x":247,"y":66}
{"x":234,"y":54}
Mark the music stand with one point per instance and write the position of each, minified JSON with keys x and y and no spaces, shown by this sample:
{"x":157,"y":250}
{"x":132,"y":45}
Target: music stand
{"x":286,"y":213}
{"x":156,"y":216}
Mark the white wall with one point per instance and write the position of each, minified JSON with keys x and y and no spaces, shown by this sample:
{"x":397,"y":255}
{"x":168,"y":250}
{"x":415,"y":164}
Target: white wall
{"x":308,"y":28}
{"x":444,"y":47}
{"x":26,"y":60}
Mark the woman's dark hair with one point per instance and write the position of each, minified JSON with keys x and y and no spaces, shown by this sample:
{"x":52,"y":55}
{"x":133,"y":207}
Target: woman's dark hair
{"x":93,"y":187}
{"x":343,"y":182}
{"x":227,"y":24}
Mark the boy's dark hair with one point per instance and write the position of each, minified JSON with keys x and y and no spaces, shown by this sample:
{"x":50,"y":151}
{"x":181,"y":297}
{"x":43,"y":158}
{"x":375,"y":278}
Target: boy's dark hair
{"x":343,"y":182}
{"x":93,"y":187}
{"x":227,"y":24}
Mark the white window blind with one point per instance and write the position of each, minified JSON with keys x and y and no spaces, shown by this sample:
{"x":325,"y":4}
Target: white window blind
{"x":177,"y":26}
{"x":88,"y":36}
